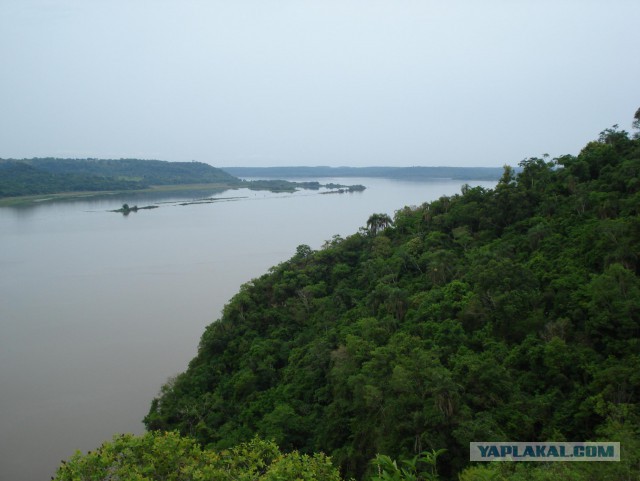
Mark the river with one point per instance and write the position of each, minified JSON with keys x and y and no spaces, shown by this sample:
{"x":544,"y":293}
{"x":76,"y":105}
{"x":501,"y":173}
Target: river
{"x":98,"y":309}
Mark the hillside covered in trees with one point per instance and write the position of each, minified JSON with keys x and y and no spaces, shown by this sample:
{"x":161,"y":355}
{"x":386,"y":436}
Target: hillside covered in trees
{"x":52,"y":175}
{"x":510,"y":314}
{"x":32,"y":177}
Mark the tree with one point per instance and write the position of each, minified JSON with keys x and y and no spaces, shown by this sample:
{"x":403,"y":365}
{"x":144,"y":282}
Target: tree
{"x":377,"y":223}
{"x":170,"y":457}
{"x":421,"y":467}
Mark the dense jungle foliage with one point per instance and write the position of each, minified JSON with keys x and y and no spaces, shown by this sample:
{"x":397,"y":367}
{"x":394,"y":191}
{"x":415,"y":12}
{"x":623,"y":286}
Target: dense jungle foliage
{"x":505,"y":314}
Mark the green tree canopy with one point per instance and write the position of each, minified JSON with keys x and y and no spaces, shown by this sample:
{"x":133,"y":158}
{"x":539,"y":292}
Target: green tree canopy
{"x":508,"y":313}
{"x":168,"y":456}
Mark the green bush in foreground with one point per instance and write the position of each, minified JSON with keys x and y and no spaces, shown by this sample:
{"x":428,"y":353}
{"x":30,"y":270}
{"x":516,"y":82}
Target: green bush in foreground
{"x":422,"y":467}
{"x":170,"y":457}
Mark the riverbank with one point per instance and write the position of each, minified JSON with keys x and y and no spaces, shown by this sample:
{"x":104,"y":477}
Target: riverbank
{"x":267,"y":185}
{"x":35,"y":199}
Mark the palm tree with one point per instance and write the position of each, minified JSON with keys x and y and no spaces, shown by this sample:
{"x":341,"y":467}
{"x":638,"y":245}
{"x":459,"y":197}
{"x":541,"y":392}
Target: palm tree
{"x":378,"y":222}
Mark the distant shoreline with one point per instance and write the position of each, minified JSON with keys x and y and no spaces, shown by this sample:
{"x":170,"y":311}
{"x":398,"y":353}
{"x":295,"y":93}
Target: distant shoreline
{"x":32,"y":199}
{"x":397,"y":173}
{"x":267,"y":184}
{"x":29,"y":181}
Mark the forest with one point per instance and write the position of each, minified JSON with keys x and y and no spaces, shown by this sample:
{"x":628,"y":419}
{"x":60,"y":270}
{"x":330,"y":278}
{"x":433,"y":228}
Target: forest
{"x":52,"y":175}
{"x":21,"y":179}
{"x":506,"y":314}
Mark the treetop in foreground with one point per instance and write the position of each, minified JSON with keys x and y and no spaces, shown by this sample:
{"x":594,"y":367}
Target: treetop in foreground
{"x":168,"y":456}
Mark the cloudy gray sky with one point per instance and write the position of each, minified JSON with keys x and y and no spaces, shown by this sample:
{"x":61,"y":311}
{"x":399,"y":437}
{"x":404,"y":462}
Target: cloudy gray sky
{"x":326,"y":82}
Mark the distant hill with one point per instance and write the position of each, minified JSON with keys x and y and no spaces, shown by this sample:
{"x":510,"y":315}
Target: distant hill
{"x":406,"y":173}
{"x":53,"y":175}
{"x":21,"y":179}
{"x":152,"y":172}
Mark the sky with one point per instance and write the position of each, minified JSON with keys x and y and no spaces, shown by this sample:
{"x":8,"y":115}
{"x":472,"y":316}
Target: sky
{"x":326,"y":82}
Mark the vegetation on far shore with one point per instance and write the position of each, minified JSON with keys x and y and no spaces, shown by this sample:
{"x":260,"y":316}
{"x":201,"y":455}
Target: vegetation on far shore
{"x":33,"y":180}
{"x":399,"y":173}
{"x":51,"y":175}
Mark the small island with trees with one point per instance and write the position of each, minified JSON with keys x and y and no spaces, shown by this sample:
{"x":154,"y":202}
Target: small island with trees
{"x":126,"y":209}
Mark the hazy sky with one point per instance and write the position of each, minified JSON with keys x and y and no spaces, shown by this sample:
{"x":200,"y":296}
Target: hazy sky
{"x":296,"y":82}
